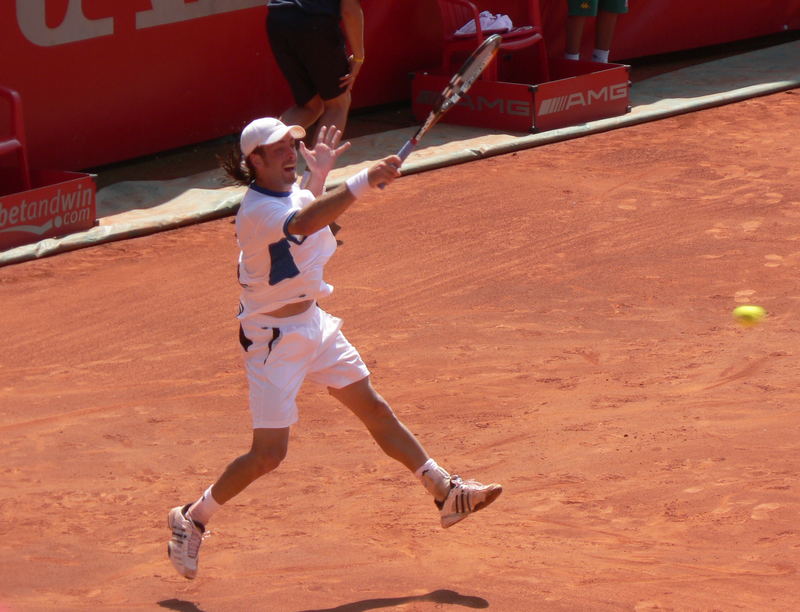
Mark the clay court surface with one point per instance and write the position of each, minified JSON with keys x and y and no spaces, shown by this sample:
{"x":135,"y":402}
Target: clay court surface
{"x":557,"y":320}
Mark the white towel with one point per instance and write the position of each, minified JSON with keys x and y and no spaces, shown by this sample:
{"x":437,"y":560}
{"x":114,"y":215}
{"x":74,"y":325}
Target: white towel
{"x":489,"y":23}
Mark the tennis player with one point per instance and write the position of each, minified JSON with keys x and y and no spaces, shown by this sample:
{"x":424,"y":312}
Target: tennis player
{"x":286,"y":337}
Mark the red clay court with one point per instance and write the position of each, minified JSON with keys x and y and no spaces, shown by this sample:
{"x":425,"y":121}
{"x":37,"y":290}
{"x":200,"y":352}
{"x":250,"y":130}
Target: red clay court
{"x":557,"y":320}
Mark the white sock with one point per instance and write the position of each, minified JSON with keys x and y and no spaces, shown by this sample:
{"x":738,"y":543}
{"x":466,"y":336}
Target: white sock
{"x":203,"y":509}
{"x":600,"y":55}
{"x":435,"y":479}
{"x":572,"y":56}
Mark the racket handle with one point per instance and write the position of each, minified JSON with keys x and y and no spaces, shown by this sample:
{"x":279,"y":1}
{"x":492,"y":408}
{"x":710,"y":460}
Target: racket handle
{"x":404,"y":152}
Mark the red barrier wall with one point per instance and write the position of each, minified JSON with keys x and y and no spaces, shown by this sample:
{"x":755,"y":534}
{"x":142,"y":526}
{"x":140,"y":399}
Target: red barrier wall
{"x":130,"y":87}
{"x":108,"y":80}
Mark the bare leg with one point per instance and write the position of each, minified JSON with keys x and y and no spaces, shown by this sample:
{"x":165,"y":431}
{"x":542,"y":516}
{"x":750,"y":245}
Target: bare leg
{"x":386,"y":429}
{"x":574,"y":33}
{"x":604,"y":34}
{"x":455,"y":499}
{"x":268,"y":450}
{"x":335,"y":112}
{"x":188,"y":526}
{"x":305,"y":115}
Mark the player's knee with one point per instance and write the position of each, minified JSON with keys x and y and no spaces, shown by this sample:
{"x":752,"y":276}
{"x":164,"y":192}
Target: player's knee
{"x":265,"y":460}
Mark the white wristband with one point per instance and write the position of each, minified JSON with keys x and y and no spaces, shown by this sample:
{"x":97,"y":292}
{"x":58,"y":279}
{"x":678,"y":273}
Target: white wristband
{"x":358,"y":184}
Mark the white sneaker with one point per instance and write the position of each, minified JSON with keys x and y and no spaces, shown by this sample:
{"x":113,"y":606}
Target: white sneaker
{"x":466,"y":497}
{"x":184,"y":547}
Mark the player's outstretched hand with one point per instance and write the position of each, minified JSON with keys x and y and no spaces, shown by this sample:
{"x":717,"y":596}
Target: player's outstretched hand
{"x":322,"y":158}
{"x":385,"y":171}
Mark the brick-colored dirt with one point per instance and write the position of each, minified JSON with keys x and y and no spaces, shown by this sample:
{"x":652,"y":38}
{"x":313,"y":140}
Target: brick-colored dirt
{"x":557,"y":320}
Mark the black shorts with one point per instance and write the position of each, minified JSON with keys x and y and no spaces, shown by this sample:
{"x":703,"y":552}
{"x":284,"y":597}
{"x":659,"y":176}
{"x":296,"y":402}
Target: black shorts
{"x":310,"y":51}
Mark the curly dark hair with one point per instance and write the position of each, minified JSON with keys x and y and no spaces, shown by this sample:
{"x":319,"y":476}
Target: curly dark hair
{"x":238,"y":168}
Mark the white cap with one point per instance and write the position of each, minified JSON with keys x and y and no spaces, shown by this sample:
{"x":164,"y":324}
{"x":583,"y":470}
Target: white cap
{"x":266,"y":131}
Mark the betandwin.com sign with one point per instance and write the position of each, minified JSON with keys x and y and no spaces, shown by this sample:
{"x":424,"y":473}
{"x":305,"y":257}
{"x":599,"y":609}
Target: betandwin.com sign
{"x":62,"y":207}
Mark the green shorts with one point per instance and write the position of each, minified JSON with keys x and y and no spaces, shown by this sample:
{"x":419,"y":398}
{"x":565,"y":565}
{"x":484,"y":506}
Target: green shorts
{"x":589,"y":8}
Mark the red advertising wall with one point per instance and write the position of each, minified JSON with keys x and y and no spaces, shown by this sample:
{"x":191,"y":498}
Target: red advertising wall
{"x":108,"y":80}
{"x":59,"y":204}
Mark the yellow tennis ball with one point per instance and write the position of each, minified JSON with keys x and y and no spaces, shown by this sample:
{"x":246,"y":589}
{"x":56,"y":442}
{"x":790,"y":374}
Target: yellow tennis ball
{"x":748,"y":314}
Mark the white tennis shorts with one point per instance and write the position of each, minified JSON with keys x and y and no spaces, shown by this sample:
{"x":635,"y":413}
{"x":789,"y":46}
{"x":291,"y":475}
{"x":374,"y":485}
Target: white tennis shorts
{"x":282,"y":352}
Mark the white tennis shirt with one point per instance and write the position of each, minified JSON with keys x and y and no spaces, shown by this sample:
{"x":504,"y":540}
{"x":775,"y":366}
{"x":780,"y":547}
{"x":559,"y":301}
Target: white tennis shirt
{"x":275,"y":267}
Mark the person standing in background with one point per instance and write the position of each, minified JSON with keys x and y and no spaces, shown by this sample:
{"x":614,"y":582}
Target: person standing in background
{"x":310,"y":41}
{"x":606,"y":12}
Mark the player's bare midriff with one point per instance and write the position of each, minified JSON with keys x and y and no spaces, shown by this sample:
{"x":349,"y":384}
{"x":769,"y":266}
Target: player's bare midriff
{"x":289,"y":310}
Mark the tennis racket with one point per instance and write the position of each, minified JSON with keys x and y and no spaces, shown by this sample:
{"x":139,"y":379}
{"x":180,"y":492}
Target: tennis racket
{"x":458,"y":85}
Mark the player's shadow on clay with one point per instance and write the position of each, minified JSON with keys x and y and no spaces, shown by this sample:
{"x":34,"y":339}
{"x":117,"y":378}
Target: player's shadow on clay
{"x":443,"y":596}
{"x":180,"y":605}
